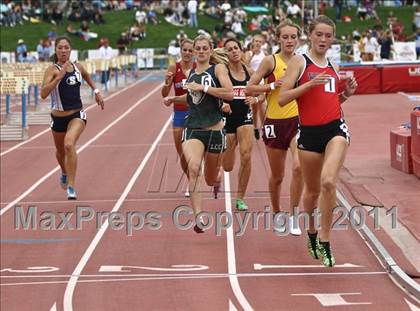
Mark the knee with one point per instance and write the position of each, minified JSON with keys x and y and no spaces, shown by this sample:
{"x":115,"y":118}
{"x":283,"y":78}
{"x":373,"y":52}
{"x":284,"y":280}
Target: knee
{"x":311,"y":195}
{"x":276,"y":180}
{"x":193,"y":170}
{"x":246,"y":157}
{"x":68,"y":147}
{"x":296,"y":171}
{"x":327,"y":185}
{"x":228,"y":167}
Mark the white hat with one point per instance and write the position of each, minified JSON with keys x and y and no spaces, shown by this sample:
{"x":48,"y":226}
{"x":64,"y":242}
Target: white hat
{"x":20,"y":41}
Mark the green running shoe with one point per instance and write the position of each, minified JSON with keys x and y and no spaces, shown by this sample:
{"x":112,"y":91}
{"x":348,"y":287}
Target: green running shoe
{"x":313,"y":245}
{"x":327,"y":258}
{"x":240,"y":205}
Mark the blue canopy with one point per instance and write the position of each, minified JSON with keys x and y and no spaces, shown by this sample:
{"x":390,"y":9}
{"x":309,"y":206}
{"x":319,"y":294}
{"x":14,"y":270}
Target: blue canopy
{"x":256,"y":9}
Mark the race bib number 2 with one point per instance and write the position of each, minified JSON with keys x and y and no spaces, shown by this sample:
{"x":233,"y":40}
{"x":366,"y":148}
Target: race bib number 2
{"x":269,"y":131}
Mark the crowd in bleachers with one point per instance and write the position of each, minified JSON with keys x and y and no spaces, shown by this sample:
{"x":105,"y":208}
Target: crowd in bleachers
{"x":372,"y":43}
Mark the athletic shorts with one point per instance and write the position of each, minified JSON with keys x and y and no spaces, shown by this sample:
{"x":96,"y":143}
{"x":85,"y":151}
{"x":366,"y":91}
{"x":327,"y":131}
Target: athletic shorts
{"x":315,"y":138}
{"x":278,"y":133}
{"x":213,"y":141}
{"x":60,"y":124}
{"x":179,"y":117}
{"x":233,"y":122}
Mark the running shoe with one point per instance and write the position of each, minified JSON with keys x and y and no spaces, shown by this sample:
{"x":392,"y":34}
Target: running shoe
{"x":216,"y":190}
{"x":294,"y":226}
{"x":240,"y":205}
{"x":63,"y":181}
{"x":326,"y":256}
{"x":313,"y":245}
{"x":187,"y":192}
{"x":71,"y":193}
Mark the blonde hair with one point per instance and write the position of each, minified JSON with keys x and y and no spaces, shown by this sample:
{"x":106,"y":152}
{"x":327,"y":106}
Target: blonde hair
{"x":219,"y":56}
{"x":321,"y":19}
{"x":186,"y":41}
{"x":286,"y":23}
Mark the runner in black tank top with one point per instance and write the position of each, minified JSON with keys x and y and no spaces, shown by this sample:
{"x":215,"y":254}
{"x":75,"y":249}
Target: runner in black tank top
{"x":62,"y":81}
{"x":208,"y":85}
{"x":239,"y":123}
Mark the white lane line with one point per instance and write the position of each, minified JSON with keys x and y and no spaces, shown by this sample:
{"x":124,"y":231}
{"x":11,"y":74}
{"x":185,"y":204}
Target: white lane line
{"x":99,"y":146}
{"x":232,"y":306}
{"x":258,"y":266}
{"x":54,"y":307}
{"x":410,"y":97}
{"x":200,"y":276}
{"x":233,"y":278}
{"x":90,"y":107}
{"x":42,"y":179}
{"x":250,"y":274}
{"x":179,"y":196}
{"x":412,"y":306}
{"x":71,"y":285}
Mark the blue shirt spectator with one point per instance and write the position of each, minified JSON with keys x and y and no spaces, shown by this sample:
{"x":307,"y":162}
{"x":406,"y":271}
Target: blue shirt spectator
{"x":21,"y":51}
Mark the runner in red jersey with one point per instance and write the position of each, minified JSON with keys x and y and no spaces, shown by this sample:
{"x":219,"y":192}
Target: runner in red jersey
{"x":323,"y":136}
{"x":176,"y":76}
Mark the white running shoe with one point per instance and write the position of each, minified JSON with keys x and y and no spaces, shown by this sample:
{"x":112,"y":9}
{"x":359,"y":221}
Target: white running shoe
{"x":187,"y":192}
{"x":294,"y":226}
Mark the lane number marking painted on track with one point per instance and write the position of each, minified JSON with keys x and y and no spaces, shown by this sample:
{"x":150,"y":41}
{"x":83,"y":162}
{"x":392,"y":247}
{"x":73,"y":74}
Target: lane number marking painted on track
{"x":175,"y":268}
{"x":335,"y":299}
{"x":258,"y":266}
{"x":30,"y":270}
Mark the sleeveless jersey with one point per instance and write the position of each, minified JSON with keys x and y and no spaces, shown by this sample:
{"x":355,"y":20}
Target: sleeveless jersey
{"x":179,"y":80}
{"x":238,"y":106}
{"x":256,"y":60}
{"x":66,"y":95}
{"x":204,"y":109}
{"x":320,"y":105}
{"x":274,"y":110}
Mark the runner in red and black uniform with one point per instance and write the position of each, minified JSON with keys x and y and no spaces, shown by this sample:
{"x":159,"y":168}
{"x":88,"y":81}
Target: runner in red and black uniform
{"x":323,"y":137}
{"x":177,"y":75}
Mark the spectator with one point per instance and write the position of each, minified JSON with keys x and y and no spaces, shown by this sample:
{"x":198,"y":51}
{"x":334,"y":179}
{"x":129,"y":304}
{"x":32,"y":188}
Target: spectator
{"x":416,"y":19}
{"x":192,"y":10}
{"x":338,"y":9}
{"x":44,"y":50}
{"x":386,"y":45}
{"x":225,"y":6}
{"x":152,"y":17}
{"x":237,"y":28}
{"x":141,"y":17}
{"x":279,"y":15}
{"x":85,"y":32}
{"x":105,"y":52}
{"x":369,"y":47}
{"x":21,"y":51}
{"x":293,"y":11}
{"x":361,"y":12}
{"x":173,"y":52}
{"x":57,"y":16}
{"x":98,"y":17}
{"x":122,"y":43}
{"x":303,"y":45}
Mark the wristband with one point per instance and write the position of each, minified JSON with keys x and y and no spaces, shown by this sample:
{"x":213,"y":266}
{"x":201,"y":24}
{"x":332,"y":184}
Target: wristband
{"x":272,"y":86}
{"x":206,"y":88}
{"x":96,"y":91}
{"x":344,"y":95}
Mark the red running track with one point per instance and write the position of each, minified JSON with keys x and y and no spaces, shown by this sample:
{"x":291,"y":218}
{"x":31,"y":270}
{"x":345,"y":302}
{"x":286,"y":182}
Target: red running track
{"x":132,"y":167}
